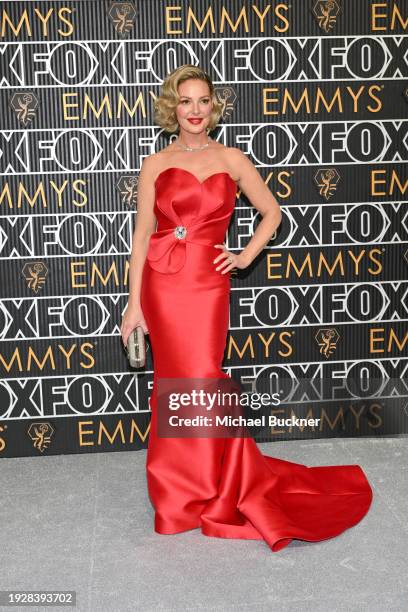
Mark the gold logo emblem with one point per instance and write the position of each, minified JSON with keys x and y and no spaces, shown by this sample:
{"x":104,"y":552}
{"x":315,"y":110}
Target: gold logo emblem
{"x":327,"y":339}
{"x":122,"y":15}
{"x":2,"y":440}
{"x":24,"y":105}
{"x":327,"y":180}
{"x":228,"y":97}
{"x":35,"y":274}
{"x":127,"y":187}
{"x":326,"y":12}
{"x":41,"y":434}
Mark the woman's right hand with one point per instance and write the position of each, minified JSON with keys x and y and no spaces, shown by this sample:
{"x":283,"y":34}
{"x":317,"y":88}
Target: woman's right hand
{"x":132,"y":318}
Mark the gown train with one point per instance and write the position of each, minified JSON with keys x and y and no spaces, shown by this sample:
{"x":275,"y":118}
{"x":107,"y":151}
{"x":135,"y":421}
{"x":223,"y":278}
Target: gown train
{"x":224,"y":486}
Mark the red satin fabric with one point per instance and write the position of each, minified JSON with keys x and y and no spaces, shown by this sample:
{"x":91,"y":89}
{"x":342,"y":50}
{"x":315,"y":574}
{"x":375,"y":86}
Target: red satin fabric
{"x":225,"y":486}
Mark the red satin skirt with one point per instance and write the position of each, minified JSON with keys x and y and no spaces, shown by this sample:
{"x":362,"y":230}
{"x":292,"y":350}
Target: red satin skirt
{"x":226,"y":486}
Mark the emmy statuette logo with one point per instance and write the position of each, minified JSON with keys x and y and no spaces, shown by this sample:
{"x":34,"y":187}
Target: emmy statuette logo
{"x":127,"y":187}
{"x":228,"y":98}
{"x":24,"y":104}
{"x":327,"y":340}
{"x":326,"y":12}
{"x":2,"y":440}
{"x":41,"y":434}
{"x":327,"y":180}
{"x":122,"y":15}
{"x":35,"y":274}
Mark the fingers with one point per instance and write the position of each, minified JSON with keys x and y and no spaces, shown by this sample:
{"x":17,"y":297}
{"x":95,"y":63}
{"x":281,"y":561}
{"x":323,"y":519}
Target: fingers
{"x":219,"y":246}
{"x":226,"y":264}
{"x":223,"y":264}
{"x":227,"y":269}
{"x":125,"y":333}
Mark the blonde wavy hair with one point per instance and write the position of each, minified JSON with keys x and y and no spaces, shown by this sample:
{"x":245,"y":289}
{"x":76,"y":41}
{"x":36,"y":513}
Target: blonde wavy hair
{"x":165,"y":104}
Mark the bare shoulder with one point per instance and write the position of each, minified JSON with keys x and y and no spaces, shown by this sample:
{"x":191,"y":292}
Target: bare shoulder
{"x":235,"y":154}
{"x":227,"y":157}
{"x":153,"y":164}
{"x":157,"y":161}
{"x":151,"y":161}
{"x":238,"y":163}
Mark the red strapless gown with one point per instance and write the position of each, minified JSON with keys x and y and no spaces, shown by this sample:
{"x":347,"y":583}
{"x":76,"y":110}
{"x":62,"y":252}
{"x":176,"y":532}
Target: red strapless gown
{"x":225,"y":486}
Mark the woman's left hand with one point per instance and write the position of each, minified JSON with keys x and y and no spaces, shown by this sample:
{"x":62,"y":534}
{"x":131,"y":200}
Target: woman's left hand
{"x":229,"y":260}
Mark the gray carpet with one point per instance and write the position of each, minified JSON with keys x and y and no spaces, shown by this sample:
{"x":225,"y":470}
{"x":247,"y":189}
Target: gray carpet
{"x":84,"y":522}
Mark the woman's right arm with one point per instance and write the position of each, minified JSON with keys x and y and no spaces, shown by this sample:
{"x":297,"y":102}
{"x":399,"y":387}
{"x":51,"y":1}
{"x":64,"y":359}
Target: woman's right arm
{"x":145,"y":225}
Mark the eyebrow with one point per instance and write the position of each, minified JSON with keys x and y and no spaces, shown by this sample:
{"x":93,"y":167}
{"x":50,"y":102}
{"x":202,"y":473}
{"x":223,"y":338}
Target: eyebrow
{"x":188,"y":97}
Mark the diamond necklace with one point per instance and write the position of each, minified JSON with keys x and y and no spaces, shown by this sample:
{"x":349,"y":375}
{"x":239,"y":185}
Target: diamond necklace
{"x":187,"y":148}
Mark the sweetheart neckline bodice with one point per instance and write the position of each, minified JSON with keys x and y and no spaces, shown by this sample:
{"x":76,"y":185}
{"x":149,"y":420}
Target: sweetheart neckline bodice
{"x":190,"y":212}
{"x":193,"y":175}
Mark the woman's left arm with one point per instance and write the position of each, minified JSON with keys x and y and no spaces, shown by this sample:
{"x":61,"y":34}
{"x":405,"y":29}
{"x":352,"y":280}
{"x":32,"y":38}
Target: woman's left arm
{"x":260,"y":196}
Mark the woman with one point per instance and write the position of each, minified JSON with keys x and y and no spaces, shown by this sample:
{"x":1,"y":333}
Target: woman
{"x":179,"y":293}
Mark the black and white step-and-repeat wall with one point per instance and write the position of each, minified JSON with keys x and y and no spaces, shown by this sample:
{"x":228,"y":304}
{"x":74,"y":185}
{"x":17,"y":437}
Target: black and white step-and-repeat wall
{"x":315,"y":92}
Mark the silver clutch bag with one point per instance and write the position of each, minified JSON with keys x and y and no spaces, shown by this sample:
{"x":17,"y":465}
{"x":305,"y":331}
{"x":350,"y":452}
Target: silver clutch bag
{"x":136,"y":347}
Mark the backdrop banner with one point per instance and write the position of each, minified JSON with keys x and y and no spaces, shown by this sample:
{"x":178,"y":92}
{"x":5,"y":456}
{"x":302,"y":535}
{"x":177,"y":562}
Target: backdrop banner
{"x":315,"y":93}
